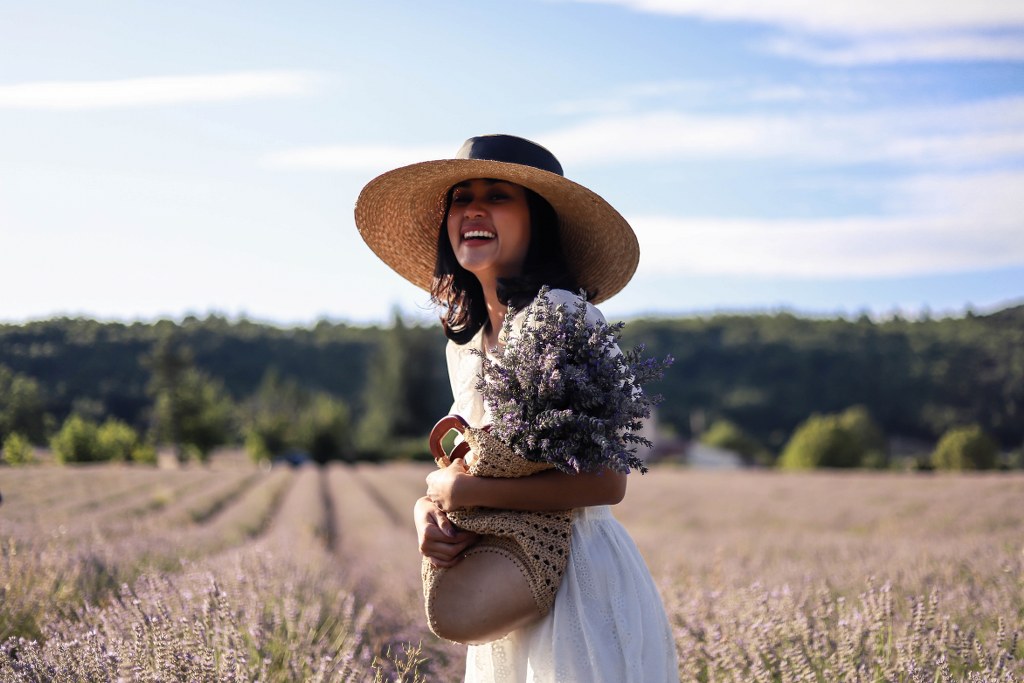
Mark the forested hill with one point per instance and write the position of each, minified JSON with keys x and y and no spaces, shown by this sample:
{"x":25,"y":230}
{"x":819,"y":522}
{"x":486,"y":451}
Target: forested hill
{"x":766,"y":373}
{"x":917,"y":378}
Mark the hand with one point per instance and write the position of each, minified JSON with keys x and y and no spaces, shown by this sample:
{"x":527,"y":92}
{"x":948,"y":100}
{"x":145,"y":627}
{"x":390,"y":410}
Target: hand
{"x":441,"y":485}
{"x":440,"y":541}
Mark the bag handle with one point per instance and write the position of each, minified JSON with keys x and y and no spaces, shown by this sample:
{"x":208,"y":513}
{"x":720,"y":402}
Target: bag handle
{"x":440,"y":430}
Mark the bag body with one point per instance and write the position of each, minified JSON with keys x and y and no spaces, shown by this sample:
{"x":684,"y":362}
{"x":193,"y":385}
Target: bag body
{"x":509,"y":578}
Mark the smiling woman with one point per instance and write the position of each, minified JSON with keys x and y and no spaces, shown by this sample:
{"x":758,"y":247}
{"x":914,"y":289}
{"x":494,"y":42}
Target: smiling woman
{"x":505,"y":223}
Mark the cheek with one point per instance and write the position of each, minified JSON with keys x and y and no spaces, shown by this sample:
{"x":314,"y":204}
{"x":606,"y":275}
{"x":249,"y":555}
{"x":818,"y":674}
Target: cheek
{"x":524,"y":232}
{"x":452,"y":228}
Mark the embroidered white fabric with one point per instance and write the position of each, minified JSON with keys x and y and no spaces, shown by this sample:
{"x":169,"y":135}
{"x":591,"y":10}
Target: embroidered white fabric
{"x":608,"y":624}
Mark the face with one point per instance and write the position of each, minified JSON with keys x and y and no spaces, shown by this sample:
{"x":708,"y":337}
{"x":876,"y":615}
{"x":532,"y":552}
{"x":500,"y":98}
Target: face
{"x":489,"y":227}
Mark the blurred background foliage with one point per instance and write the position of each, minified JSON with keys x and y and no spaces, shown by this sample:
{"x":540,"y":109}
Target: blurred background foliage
{"x":778,"y":389}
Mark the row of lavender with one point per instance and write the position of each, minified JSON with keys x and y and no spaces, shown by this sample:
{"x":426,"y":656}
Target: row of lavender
{"x":221,"y":573}
{"x":231,"y":573}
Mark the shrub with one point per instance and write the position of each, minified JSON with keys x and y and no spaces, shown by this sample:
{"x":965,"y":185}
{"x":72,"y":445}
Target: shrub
{"x":821,"y":441}
{"x":17,"y":450}
{"x":965,"y":448}
{"x":144,"y":454}
{"x":869,"y":437}
{"x":77,"y":441}
{"x":116,"y":440}
{"x":258,"y":446}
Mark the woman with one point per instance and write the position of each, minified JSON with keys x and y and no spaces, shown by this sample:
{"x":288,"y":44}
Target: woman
{"x":483,"y":232}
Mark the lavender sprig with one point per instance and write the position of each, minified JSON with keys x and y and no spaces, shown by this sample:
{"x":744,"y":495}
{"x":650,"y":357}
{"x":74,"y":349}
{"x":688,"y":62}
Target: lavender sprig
{"x":561,"y":393}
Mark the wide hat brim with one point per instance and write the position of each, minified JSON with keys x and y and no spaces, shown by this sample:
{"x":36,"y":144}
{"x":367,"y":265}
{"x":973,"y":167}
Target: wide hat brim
{"x":399,"y":216}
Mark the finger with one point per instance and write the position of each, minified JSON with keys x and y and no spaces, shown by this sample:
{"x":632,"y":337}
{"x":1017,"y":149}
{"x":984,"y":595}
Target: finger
{"x":446,"y":551}
{"x":447,"y":559}
{"x":443,"y":564}
{"x":463,"y":536}
{"x":436,"y":534}
{"x":441,"y":552}
{"x":444,"y":524}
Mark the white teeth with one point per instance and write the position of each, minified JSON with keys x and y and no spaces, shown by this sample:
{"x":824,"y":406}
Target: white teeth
{"x":483,"y":234}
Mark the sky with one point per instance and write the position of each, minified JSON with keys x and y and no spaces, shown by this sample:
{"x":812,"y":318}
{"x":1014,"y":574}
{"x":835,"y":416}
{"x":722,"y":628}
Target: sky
{"x":159,"y":160}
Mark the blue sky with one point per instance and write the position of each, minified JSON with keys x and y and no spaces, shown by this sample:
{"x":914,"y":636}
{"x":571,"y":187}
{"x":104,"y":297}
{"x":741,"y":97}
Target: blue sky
{"x":166,"y":159}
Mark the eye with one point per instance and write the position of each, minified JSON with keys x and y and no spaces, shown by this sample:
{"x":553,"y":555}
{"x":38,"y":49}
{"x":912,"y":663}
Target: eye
{"x":461,"y":198}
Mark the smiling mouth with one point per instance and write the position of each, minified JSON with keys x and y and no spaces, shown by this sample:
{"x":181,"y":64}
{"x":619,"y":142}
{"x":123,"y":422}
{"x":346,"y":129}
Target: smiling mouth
{"x":478,"y":235}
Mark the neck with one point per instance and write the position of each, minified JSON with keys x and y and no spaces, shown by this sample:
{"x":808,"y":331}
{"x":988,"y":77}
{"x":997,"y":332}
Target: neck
{"x":495,"y":313}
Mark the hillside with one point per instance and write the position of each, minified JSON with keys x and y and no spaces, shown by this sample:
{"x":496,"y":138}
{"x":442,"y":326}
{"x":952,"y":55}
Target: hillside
{"x":765,"y":372}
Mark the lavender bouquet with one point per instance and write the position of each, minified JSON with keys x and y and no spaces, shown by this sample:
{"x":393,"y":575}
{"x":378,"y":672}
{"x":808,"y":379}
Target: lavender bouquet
{"x":561,"y":393}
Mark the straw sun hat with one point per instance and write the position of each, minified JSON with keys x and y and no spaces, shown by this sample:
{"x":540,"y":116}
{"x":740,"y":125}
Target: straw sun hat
{"x":399,"y":213}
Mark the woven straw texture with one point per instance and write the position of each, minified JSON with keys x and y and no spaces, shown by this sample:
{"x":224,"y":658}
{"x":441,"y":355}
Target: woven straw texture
{"x":537,"y":542}
{"x":399,"y":216}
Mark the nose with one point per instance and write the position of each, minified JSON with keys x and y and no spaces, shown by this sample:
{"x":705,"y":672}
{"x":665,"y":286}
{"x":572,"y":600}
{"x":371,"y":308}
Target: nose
{"x":474,"y":209}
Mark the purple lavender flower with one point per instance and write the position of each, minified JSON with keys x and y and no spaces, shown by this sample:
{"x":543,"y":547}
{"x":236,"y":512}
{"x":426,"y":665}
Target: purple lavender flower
{"x":561,"y":393}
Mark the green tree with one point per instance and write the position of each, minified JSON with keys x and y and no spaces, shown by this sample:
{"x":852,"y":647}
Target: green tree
{"x":192,"y":411}
{"x":77,"y":441}
{"x":168,"y":363}
{"x":21,"y":406}
{"x":965,"y":448}
{"x":195,"y":416}
{"x":917,"y":378}
{"x":324,"y":428}
{"x":730,"y":436}
{"x":17,"y":450}
{"x":269,"y":416}
{"x":281,"y":415}
{"x":821,"y":441}
{"x":401,"y":397}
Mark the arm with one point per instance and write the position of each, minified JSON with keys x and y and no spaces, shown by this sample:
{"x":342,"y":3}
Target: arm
{"x":453,"y":488}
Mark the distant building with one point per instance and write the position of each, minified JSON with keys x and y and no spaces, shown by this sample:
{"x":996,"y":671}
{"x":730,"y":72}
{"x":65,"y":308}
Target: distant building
{"x":706,"y":457}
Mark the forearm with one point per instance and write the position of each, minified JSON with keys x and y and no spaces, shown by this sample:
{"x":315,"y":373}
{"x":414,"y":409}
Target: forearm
{"x":550,"y":490}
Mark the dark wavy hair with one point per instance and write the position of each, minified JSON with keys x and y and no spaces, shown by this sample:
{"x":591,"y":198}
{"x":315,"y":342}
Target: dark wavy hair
{"x":459,"y":294}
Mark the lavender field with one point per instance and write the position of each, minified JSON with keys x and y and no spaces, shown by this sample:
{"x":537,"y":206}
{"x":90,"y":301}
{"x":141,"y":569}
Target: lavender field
{"x":233,"y":573}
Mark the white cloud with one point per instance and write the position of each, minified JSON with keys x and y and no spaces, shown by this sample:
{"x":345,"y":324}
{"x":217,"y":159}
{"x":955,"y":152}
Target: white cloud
{"x":647,"y":96}
{"x":879,"y":31}
{"x":933,"y":48}
{"x":952,"y":136}
{"x":942,"y":224}
{"x":825,"y":248}
{"x":975,"y":133}
{"x":799,"y":93}
{"x":844,"y":17}
{"x":155,"y":91}
{"x":670,"y":135}
{"x":992,"y":198}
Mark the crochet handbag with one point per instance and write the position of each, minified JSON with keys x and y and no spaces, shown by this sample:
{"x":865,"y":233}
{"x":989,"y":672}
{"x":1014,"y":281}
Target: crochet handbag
{"x":510,"y":576}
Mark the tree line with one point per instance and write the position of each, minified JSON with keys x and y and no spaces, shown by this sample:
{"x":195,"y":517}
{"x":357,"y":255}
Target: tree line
{"x":339,"y":391}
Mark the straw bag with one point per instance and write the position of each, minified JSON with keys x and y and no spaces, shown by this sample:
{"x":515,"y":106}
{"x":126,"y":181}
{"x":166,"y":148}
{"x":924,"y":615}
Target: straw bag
{"x":510,"y":576}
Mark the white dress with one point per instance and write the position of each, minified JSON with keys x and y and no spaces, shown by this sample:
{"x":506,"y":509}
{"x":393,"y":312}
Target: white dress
{"x":608,"y":624}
